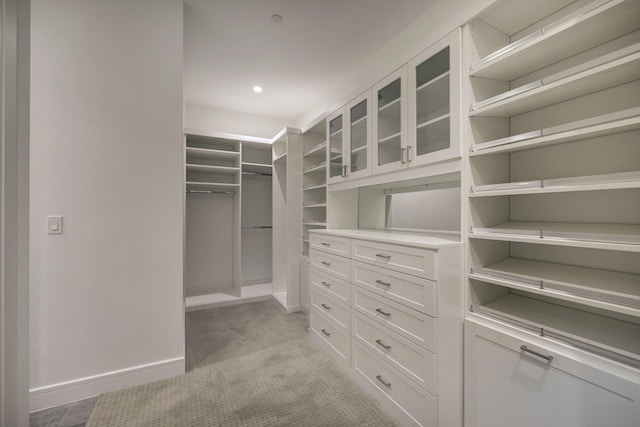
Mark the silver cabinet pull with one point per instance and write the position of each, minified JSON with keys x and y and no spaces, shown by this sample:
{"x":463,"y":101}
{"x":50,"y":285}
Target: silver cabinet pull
{"x":380,"y":282}
{"x":344,"y":170}
{"x":326,"y":284}
{"x":325,"y":263}
{"x":383,"y":345}
{"x":387,"y":257}
{"x":325,"y":244}
{"x":408,"y":154}
{"x":403,"y":152}
{"x":379,"y":310}
{"x":548,"y":358}
{"x":383,"y":382}
{"x":324,"y":331}
{"x":325,"y":306}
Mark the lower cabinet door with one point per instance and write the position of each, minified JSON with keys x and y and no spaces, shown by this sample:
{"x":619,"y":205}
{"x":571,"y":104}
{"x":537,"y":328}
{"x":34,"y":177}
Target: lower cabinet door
{"x":512,"y":379}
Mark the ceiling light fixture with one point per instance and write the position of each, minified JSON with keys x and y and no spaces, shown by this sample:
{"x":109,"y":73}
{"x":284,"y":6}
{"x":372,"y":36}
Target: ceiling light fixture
{"x":276,"y":18}
{"x":257,"y":89}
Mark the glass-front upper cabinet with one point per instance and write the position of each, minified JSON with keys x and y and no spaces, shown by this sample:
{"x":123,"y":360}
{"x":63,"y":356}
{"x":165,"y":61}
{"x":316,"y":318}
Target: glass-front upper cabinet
{"x":335,"y":148}
{"x":389,"y":122}
{"x":434,"y":102}
{"x":358,"y":137}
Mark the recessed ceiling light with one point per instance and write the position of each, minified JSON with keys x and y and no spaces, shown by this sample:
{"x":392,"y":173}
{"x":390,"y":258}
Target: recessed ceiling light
{"x":257,"y":89}
{"x":276,"y":18}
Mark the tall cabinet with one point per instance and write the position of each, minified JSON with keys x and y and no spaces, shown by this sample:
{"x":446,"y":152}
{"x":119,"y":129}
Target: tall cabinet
{"x":553,"y":207}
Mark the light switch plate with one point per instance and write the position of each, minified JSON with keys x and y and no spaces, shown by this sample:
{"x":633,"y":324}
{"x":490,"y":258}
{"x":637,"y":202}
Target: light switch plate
{"x":54,"y":224}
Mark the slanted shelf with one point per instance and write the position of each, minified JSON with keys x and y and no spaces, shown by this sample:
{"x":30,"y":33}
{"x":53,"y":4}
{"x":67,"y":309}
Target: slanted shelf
{"x":314,"y":176}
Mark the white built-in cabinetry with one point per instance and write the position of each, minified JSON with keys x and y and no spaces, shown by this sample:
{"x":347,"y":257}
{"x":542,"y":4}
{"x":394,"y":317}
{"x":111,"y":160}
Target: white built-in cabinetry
{"x":314,"y":181}
{"x":388,"y":306}
{"x":287,"y":217}
{"x":553,"y":212}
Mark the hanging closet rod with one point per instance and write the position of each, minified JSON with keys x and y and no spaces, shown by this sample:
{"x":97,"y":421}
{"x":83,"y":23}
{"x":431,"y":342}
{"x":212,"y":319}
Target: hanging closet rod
{"x":257,"y":173}
{"x":211,"y":192}
{"x":257,"y":227}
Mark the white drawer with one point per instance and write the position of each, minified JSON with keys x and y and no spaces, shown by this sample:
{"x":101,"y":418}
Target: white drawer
{"x":330,"y":284}
{"x":337,"y":311}
{"x":332,"y":337}
{"x":420,"y":407}
{"x":411,"y":324}
{"x":403,"y":288}
{"x":415,"y":362}
{"x":332,"y":264}
{"x":333,"y":245}
{"x":417,"y":262}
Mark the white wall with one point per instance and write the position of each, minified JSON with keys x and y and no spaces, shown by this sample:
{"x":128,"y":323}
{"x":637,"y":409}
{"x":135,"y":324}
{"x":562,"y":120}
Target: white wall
{"x":107,"y":153}
{"x":207,"y":119}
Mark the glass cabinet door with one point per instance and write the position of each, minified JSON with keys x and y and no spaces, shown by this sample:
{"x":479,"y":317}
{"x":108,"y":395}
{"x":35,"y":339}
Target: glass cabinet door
{"x":389,"y":128}
{"x":435,"y":86}
{"x":358,"y":136}
{"x":335,"y":130}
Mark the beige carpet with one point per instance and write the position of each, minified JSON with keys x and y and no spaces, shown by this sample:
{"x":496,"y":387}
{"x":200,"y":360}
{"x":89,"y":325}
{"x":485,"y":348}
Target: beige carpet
{"x":252,"y":365}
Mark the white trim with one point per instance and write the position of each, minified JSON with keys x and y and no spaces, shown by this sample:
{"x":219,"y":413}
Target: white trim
{"x":70,"y":391}
{"x":224,"y":135}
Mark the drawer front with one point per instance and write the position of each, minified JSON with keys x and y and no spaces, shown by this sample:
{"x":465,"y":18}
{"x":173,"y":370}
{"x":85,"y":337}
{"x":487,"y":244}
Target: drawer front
{"x":387,"y":383}
{"x":412,"y":360}
{"x":415,"y":326}
{"x":335,"y":287}
{"x":333,"y":245}
{"x":332,"y":337}
{"x":417,"y":262}
{"x":332,"y":264}
{"x":411,"y":291}
{"x":331,"y":307}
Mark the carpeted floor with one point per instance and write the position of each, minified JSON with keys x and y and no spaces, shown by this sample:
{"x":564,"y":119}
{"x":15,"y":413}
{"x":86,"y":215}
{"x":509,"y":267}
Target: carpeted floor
{"x":249,"y":365}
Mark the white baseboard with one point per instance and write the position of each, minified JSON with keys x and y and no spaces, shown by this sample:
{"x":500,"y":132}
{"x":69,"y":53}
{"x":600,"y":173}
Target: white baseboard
{"x":70,"y":391}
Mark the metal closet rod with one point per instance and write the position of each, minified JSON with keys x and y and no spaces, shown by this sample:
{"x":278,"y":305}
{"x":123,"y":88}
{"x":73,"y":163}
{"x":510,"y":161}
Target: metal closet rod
{"x":257,"y":227}
{"x":257,"y":173}
{"x":211,"y":192}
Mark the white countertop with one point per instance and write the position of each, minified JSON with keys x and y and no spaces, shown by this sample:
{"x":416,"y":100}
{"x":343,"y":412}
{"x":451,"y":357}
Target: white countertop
{"x":423,"y":240}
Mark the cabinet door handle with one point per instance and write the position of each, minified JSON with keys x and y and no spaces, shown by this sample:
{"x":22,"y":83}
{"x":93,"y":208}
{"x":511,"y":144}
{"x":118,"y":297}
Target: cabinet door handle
{"x":383,"y":382}
{"x":408,"y":154}
{"x":403,"y":152}
{"x":383,"y":345}
{"x":344,"y":170}
{"x":384,"y":313}
{"x":326,"y":284}
{"x":325,"y":306}
{"x":324,"y":331}
{"x":380,"y":282}
{"x":548,"y":358}
{"x":387,"y":257}
{"x":325,"y":263}
{"x":325,"y":244}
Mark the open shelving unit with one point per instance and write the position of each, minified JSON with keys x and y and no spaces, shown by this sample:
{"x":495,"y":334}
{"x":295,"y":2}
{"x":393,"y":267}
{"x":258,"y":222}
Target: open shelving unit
{"x":314,"y":178}
{"x":554,"y":172}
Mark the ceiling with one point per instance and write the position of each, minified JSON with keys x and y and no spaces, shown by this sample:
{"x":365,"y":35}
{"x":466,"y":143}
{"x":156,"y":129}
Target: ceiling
{"x":233,"y":45}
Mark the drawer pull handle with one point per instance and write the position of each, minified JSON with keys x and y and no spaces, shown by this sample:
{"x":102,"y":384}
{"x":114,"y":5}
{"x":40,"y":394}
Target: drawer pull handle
{"x":387,"y":257}
{"x":380,"y":282}
{"x":383,"y":345}
{"x":383,"y":382}
{"x":326,"y":284}
{"x":325,"y":244}
{"x":379,"y":310}
{"x":325,"y":263}
{"x":325,"y":306}
{"x":324,"y":331}
{"x":535,"y":353}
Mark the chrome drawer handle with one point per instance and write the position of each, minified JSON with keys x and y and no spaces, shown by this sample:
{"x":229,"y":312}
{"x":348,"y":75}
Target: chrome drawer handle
{"x":380,"y":282}
{"x":325,"y":244}
{"x":326,"y":284}
{"x":325,"y":332}
{"x":325,"y":263}
{"x":535,"y":353}
{"x":325,"y":306}
{"x":387,"y":257}
{"x":379,"y":310}
{"x":383,"y":345}
{"x":383,"y":382}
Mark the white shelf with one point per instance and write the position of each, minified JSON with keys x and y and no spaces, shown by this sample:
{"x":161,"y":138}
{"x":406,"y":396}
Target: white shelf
{"x":315,"y":205}
{"x":605,"y":287}
{"x":624,"y":237}
{"x":389,"y":139}
{"x":569,"y":36}
{"x":211,"y":186}
{"x":218,"y":170}
{"x":316,"y":167}
{"x":433,"y":81}
{"x":391,"y":108}
{"x":249,"y":293}
{"x":432,"y":121}
{"x":592,"y":331}
{"x":339,"y":131}
{"x":611,"y":181}
{"x":257,"y":167}
{"x":577,"y":81}
{"x":314,"y":223}
{"x":355,"y":150}
{"x":362,"y":119}
{"x":208,"y":154}
{"x":314,"y":187}
{"x":280,"y":157}
{"x":316,"y":149}
{"x":621,"y":121}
